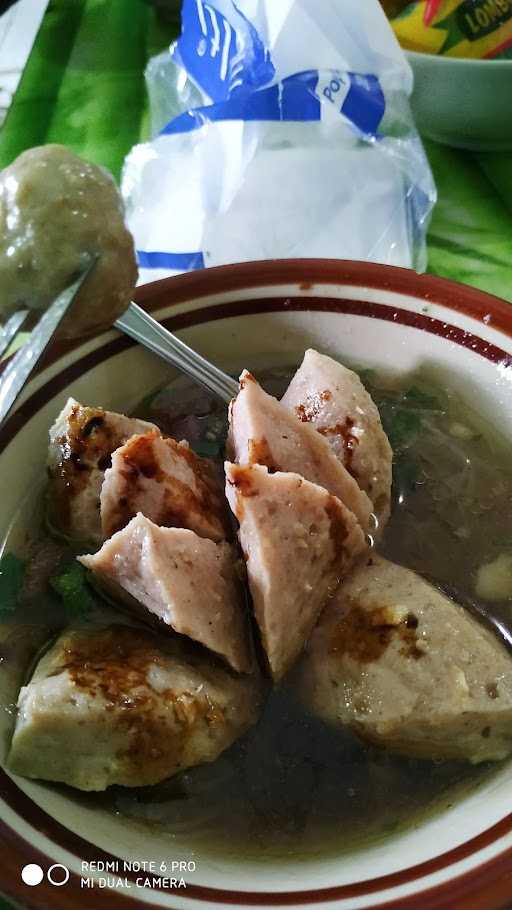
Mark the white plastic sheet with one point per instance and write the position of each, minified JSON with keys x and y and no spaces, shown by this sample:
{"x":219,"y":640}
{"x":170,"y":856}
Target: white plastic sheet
{"x":282,"y":129}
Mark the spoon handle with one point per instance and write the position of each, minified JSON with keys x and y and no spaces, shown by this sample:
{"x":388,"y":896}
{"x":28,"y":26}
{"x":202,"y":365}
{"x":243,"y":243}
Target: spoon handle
{"x":140,"y":326}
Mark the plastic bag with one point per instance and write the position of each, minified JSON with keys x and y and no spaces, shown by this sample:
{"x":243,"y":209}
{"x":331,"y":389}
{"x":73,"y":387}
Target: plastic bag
{"x":457,"y":28}
{"x":282,"y":130}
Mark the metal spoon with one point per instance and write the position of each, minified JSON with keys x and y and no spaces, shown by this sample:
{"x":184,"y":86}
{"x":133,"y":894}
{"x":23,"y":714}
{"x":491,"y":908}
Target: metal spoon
{"x":140,"y":326}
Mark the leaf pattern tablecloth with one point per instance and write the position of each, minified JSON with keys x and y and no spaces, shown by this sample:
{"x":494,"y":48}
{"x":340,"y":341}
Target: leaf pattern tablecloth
{"x":84,"y":87}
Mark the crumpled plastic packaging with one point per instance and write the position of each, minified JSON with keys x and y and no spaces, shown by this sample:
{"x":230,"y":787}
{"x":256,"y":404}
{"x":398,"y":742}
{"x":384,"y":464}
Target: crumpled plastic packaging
{"x":281,"y":129}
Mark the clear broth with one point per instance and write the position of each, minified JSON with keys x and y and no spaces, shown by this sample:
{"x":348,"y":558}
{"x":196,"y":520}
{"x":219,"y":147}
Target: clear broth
{"x":292,"y":785}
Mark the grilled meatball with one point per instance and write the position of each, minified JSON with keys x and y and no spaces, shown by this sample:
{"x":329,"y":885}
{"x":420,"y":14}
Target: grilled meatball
{"x":120,"y":705}
{"x":409,"y":669}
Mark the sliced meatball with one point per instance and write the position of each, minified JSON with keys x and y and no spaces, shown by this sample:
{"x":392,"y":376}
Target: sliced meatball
{"x":262,"y":431}
{"x":187,"y":582}
{"x":298,"y":541}
{"x":333,"y":400}
{"x":168,"y":483}
{"x":409,"y":669}
{"x":120,"y":705}
{"x":82,"y":440}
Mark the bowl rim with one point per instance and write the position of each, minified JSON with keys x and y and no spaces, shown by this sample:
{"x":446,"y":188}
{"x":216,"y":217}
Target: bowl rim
{"x":485,"y":881}
{"x":497,"y":62}
{"x":260,"y":273}
{"x":433,"y":289}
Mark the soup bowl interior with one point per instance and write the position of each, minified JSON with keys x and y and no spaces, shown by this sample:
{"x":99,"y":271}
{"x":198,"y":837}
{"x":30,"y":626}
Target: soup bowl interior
{"x":258,"y":316}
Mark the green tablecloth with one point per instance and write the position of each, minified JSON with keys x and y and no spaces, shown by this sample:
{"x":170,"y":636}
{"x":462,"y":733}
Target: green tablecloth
{"x":84,"y":87}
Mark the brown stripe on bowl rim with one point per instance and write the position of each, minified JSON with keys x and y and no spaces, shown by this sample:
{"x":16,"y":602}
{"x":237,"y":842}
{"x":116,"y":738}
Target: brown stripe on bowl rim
{"x":305,"y":274}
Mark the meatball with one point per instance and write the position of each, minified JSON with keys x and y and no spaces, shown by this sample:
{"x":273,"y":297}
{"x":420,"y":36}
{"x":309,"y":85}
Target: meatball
{"x":119,"y":705}
{"x":333,"y":400}
{"x":57,"y":211}
{"x":407,"y":668}
{"x":82,"y":441}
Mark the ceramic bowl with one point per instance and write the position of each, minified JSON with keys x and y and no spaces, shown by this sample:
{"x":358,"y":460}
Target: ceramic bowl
{"x":266,"y":313}
{"x":461,"y":102}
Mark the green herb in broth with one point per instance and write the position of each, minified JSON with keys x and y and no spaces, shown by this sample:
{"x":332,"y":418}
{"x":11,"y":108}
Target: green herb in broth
{"x":72,"y":588}
{"x":402,"y":412}
{"x":12,"y":573}
{"x":209,"y":448}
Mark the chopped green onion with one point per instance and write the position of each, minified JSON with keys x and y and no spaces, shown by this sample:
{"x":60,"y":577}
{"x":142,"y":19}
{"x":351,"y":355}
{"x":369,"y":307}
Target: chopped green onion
{"x":208,"y":448}
{"x":12,"y":573}
{"x":71,"y":586}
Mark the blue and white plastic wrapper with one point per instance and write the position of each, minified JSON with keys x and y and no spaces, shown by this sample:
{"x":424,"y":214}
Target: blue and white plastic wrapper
{"x":282,"y":129}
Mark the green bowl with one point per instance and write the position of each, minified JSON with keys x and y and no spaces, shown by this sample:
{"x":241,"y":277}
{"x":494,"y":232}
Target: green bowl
{"x":464,"y":103}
